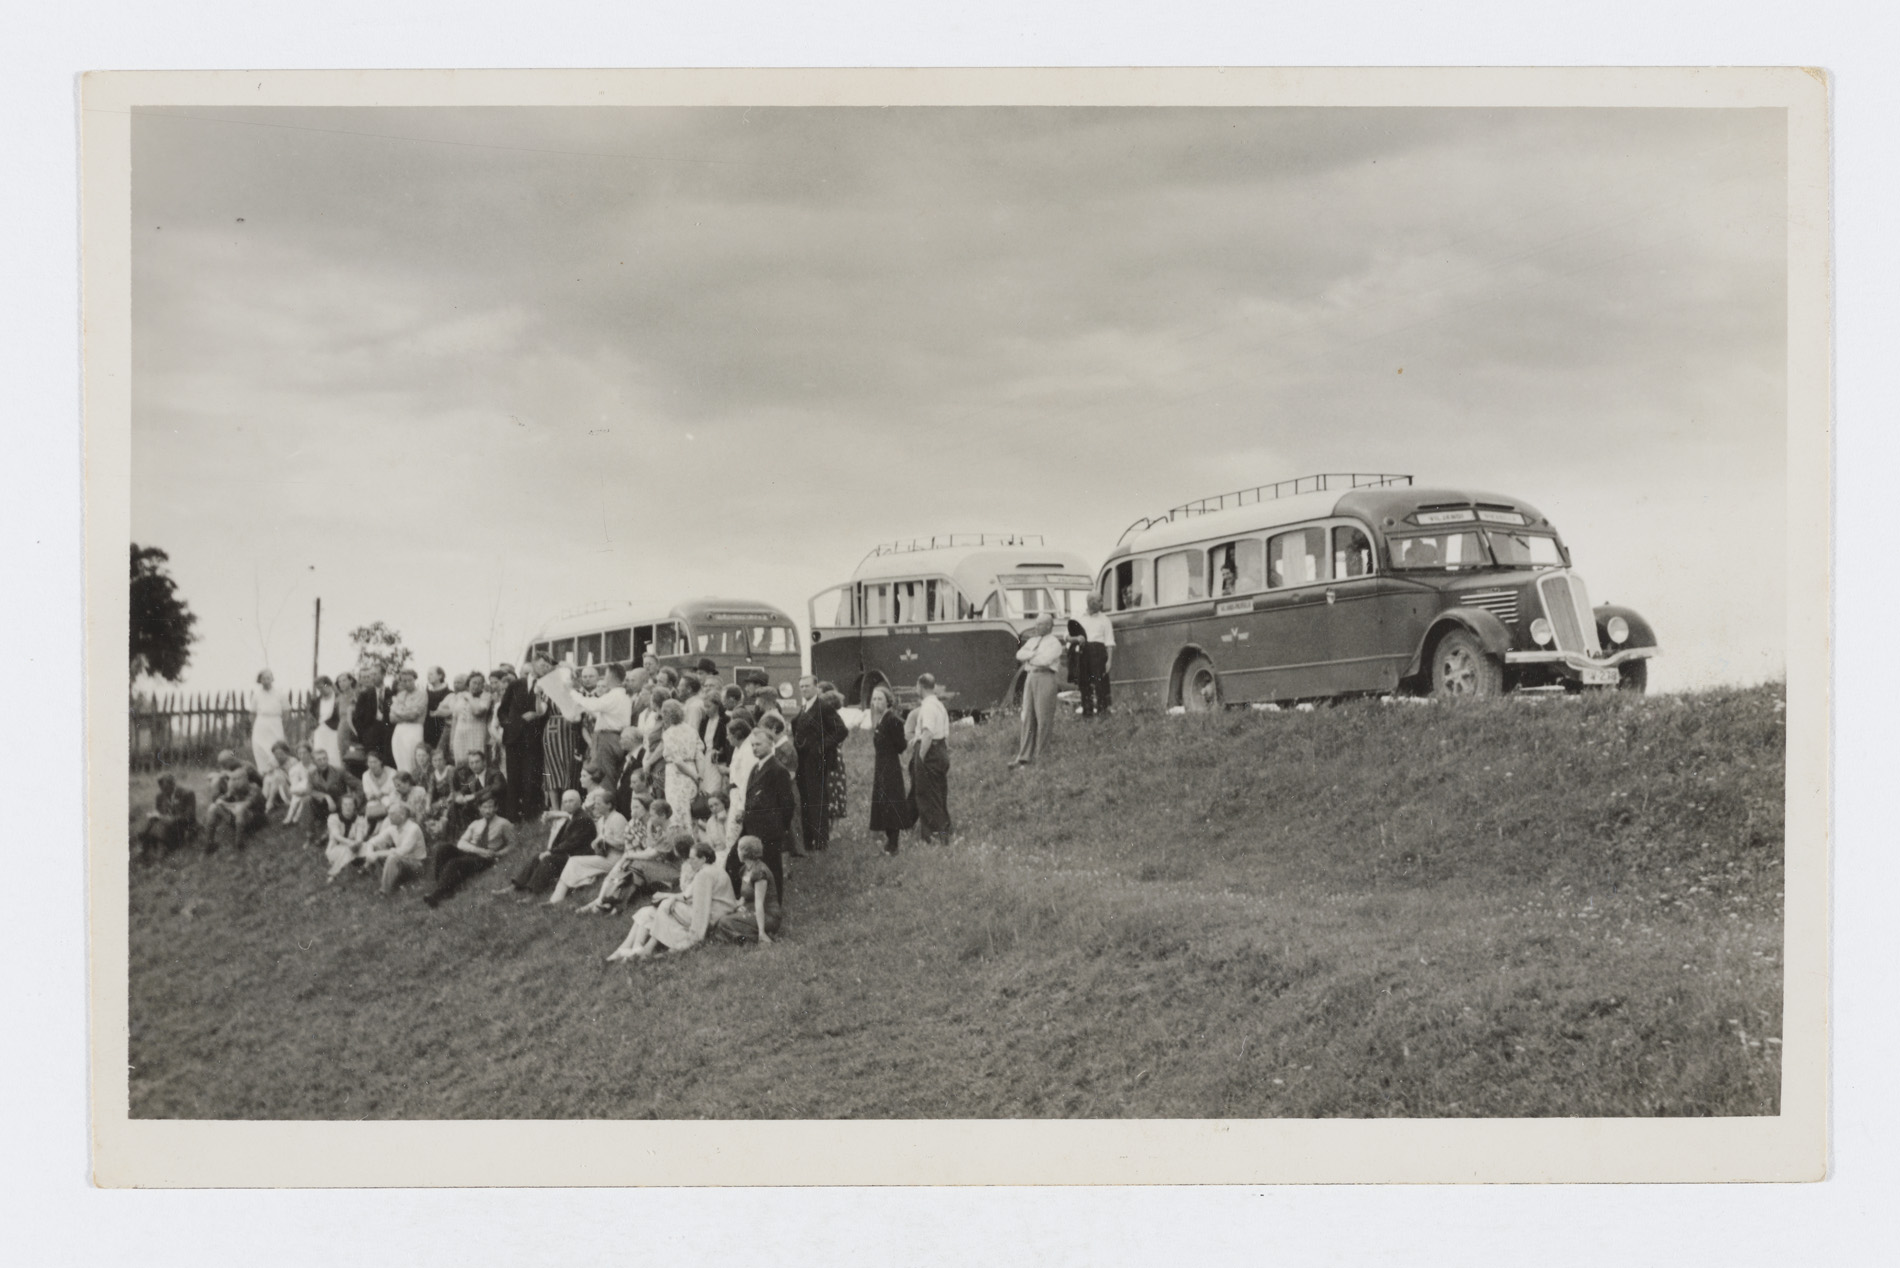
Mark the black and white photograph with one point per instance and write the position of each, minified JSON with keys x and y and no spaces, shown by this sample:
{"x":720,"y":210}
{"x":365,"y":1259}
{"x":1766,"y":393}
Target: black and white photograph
{"x":750,"y":611}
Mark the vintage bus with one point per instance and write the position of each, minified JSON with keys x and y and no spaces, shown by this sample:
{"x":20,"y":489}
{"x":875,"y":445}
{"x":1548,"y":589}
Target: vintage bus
{"x":1347,"y":583}
{"x":751,"y":642}
{"x":955,"y":606}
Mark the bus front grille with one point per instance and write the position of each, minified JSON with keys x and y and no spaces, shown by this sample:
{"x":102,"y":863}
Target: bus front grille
{"x":1567,"y":604}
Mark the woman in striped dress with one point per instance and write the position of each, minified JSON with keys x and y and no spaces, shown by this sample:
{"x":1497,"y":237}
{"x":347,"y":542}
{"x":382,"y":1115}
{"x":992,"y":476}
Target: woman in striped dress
{"x":557,"y":747}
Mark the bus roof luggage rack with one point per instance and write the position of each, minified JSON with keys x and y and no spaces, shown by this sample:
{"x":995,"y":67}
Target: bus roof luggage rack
{"x":1324,"y":482}
{"x":944,"y":541}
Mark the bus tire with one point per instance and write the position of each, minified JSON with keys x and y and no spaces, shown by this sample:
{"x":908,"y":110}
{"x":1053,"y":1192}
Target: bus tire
{"x":1462,"y":668}
{"x":1200,"y":687}
{"x":1634,"y":677}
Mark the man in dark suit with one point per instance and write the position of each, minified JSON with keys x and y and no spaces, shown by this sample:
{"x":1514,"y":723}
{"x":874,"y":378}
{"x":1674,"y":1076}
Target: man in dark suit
{"x":573,"y":834}
{"x":770,"y":805}
{"x":817,"y":731}
{"x":521,"y":743}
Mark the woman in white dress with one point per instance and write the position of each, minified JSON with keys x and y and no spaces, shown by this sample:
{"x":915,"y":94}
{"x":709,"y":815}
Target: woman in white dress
{"x":329,"y":708}
{"x":267,"y":722}
{"x":407,"y":708}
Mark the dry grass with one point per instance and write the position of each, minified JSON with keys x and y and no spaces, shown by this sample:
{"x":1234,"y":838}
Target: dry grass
{"x":1535,"y":907}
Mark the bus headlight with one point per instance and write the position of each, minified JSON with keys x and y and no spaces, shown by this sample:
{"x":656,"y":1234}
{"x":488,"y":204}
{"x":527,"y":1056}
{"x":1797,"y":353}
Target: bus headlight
{"x":1618,"y":629}
{"x":1541,"y":632}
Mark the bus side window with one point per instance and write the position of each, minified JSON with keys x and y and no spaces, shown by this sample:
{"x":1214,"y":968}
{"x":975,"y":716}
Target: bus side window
{"x":619,"y":645}
{"x":563,"y":650}
{"x":666,"y":638}
{"x":1297,"y":558}
{"x":1129,"y":590}
{"x":1238,"y":567}
{"x":642,"y":641}
{"x":1179,"y":576}
{"x":587,"y":650}
{"x":1352,"y":553}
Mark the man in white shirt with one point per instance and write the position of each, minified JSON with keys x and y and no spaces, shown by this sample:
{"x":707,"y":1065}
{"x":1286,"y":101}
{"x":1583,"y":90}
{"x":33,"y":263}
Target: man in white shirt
{"x":930,"y":762}
{"x":1040,"y":653}
{"x":399,"y":846}
{"x":1098,"y":648}
{"x":612,"y":712}
{"x":738,"y":731}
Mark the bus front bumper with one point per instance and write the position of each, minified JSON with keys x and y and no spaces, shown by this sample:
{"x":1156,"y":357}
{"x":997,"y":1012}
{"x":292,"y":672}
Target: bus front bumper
{"x":1590,"y":670}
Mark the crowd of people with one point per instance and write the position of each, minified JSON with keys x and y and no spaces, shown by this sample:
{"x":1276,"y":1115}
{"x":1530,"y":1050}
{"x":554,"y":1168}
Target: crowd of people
{"x":675,"y":797}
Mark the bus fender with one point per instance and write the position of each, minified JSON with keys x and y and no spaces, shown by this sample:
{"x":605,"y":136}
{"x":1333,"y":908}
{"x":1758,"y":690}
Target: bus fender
{"x":1182,"y":659}
{"x":1642,"y":634}
{"x":1490,"y":632}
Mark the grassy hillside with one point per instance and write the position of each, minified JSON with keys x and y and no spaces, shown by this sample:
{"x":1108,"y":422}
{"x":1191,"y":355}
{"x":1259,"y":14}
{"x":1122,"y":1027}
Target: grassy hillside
{"x":1558,"y":906}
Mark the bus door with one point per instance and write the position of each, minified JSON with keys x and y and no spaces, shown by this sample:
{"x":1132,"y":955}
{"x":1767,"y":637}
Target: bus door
{"x":1366,"y":625}
{"x":1293,"y":617}
{"x":1237,"y":581}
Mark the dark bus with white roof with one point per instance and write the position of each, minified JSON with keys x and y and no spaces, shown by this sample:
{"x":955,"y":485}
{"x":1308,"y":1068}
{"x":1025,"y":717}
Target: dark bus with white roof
{"x":1353,"y":583}
{"x":750,"y":641}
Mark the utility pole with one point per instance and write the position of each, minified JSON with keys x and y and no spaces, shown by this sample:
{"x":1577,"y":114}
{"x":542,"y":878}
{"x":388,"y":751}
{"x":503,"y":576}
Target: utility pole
{"x":316,"y":641}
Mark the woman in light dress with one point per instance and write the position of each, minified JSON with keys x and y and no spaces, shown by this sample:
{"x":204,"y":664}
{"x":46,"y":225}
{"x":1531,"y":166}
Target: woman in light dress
{"x":407,"y":708}
{"x":679,"y":922}
{"x":329,"y":711}
{"x":469,"y":708}
{"x":267,"y":721}
{"x":680,"y":747}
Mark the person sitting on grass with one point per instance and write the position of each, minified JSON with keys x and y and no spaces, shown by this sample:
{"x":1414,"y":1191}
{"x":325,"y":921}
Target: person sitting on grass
{"x":486,"y":839}
{"x":238,"y":799}
{"x":348,"y":829}
{"x":610,"y":842}
{"x":473,"y":781}
{"x":173,"y":819}
{"x":276,"y":778}
{"x":411,"y":794}
{"x":651,"y":862}
{"x":327,"y":785}
{"x":759,"y":913}
{"x":399,"y":846}
{"x":571,"y":834}
{"x":379,"y":787}
{"x":709,"y":822}
{"x":679,"y":922}
{"x":297,"y":779}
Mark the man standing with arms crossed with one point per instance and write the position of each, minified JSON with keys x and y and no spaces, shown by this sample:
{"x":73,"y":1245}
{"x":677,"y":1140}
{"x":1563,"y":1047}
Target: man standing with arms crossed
{"x":1040,"y":653}
{"x":1098,"y":648}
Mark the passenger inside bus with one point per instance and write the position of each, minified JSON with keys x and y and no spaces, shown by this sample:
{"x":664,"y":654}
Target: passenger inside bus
{"x":1352,"y":553}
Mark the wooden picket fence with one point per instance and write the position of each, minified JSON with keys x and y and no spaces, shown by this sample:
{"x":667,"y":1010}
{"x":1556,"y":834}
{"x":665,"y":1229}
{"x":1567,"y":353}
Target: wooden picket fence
{"x":184,"y":729}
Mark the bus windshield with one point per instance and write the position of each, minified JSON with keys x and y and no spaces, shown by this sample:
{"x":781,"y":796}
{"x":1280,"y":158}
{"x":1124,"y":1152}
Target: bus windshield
{"x":1440,"y":551}
{"x":1524,"y":550}
{"x":1031,"y":601}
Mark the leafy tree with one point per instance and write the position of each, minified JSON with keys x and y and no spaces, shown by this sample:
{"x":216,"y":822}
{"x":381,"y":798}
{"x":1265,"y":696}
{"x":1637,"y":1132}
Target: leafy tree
{"x":379,"y":651}
{"x":161,"y":622}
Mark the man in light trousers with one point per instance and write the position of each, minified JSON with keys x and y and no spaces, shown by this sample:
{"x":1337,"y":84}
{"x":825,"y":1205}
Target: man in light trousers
{"x":1040,"y":654}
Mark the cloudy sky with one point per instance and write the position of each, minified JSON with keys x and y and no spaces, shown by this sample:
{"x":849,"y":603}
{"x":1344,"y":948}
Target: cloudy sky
{"x":460,"y":369}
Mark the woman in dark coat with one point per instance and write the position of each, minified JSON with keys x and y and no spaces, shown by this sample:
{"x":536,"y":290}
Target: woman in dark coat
{"x":434,"y":728}
{"x":835,"y":786}
{"x":890,"y":806}
{"x":366,"y":716}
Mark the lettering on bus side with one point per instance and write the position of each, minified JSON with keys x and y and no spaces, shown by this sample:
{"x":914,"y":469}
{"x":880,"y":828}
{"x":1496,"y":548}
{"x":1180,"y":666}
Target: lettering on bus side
{"x":906,"y":629}
{"x":1234,"y":607}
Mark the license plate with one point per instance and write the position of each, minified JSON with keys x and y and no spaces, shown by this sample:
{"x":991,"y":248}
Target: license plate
{"x":1600,"y":677}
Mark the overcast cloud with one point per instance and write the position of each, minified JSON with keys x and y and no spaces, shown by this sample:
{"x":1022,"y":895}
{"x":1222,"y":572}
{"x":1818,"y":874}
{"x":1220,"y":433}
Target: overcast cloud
{"x":459,"y":369}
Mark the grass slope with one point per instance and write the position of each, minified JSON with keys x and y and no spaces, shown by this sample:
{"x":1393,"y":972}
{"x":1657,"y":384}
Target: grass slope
{"x":1558,"y":906}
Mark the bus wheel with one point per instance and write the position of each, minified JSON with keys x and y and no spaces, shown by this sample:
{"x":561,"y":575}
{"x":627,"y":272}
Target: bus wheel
{"x":1460,"y":667}
{"x":1200,"y":687}
{"x":1634,"y":677}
